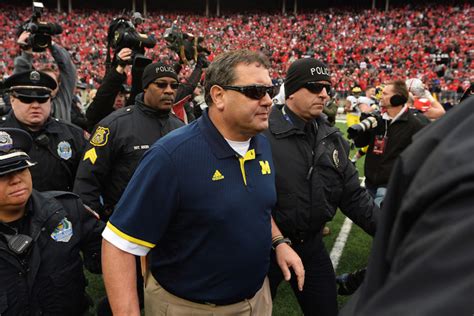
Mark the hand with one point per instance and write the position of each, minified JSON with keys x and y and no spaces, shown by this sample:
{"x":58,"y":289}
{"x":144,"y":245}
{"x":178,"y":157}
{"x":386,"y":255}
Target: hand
{"x":287,"y":258}
{"x":23,"y":41}
{"x":429,"y":96}
{"x":123,"y":58}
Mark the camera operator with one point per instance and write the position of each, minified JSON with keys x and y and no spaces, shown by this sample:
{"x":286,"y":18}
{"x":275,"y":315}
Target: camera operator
{"x":66,"y":78}
{"x":387,"y":137}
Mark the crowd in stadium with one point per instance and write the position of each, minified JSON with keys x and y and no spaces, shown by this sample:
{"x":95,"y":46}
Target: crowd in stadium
{"x":363,"y":47}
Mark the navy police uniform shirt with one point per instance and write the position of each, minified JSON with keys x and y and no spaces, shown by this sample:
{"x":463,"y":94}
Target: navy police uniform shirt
{"x":203,"y":213}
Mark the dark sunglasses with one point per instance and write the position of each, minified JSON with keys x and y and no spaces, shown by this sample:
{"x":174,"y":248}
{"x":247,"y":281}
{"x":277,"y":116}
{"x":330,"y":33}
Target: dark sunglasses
{"x":31,"y":99}
{"x":163,"y":85}
{"x":255,"y":92}
{"x":316,"y":87}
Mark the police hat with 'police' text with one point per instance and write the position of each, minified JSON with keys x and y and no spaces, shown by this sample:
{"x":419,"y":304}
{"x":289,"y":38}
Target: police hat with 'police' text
{"x":30,"y":83}
{"x":14,"y":145}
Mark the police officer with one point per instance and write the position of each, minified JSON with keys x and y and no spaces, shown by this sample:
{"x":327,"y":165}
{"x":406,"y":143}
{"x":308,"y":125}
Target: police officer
{"x":58,"y":145}
{"x":313,"y":178}
{"x":119,"y":141}
{"x":41,"y":236}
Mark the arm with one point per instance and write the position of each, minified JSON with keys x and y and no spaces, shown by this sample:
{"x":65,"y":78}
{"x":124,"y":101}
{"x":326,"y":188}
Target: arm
{"x":287,"y":258}
{"x":24,"y":62}
{"x":356,"y":202}
{"x":103,"y":103}
{"x":68,"y":77}
{"x":436,"y":110}
{"x":119,"y":269}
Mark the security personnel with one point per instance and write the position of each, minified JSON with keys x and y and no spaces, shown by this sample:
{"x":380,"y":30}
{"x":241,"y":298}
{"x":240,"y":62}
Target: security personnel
{"x":58,"y":145}
{"x":119,"y":141}
{"x":314,"y":177}
{"x":41,"y":236}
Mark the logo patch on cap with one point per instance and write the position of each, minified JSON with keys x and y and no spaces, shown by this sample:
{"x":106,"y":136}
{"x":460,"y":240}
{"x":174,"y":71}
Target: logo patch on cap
{"x":6,"y":142}
{"x":64,"y":150}
{"x":319,"y":71}
{"x":35,"y":76}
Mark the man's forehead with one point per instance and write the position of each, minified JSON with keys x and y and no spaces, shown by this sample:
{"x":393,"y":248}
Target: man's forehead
{"x":165,"y":79}
{"x":252,"y":72}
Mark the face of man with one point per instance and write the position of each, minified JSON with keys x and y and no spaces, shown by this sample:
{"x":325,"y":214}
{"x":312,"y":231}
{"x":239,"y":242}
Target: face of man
{"x":307,"y":104}
{"x":119,"y":101}
{"x":33,"y":114}
{"x":161,"y":93}
{"x":15,"y":190}
{"x":244,"y":117}
{"x":387,"y":93}
{"x":370,"y":92}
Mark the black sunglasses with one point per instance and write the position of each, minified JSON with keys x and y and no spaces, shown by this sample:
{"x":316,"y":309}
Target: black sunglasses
{"x":316,"y":87}
{"x":163,"y":85}
{"x":31,"y":99}
{"x":255,"y":92}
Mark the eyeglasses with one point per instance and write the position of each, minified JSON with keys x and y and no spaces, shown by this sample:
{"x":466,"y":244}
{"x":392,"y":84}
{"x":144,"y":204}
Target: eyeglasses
{"x":31,"y":99}
{"x":316,"y":87}
{"x":163,"y":85}
{"x":255,"y":92}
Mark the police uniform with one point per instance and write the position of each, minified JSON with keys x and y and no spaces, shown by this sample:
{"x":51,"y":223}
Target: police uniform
{"x":41,"y":269}
{"x":117,"y":145}
{"x":57,"y":147}
{"x":210,"y":223}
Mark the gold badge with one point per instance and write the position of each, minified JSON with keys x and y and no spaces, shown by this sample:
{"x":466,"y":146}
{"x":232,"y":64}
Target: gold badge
{"x":100,"y":137}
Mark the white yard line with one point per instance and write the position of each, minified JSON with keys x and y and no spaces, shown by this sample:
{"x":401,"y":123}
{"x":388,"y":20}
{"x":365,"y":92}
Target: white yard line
{"x":341,"y":240}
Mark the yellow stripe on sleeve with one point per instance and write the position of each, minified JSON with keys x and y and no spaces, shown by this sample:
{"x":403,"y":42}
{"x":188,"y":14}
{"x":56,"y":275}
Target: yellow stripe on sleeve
{"x":129,"y":238}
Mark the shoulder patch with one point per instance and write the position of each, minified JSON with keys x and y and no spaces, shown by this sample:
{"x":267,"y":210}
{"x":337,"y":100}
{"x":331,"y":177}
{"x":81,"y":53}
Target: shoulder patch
{"x":100,"y":137}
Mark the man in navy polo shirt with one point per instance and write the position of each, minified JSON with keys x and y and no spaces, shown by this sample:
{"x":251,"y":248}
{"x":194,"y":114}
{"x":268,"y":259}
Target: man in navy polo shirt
{"x":198,"y":206}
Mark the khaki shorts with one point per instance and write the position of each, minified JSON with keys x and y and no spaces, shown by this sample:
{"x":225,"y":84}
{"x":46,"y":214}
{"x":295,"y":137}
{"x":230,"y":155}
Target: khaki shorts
{"x":160,"y":302}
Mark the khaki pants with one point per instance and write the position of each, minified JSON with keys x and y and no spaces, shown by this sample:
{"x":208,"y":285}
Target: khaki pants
{"x":160,"y":302}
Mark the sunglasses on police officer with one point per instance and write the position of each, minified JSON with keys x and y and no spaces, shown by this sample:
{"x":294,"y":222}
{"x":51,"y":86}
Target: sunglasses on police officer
{"x":163,"y":85}
{"x":317,"y":87}
{"x":31,"y":99}
{"x":255,"y":92}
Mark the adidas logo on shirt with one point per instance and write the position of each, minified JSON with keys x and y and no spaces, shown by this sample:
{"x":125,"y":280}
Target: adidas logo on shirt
{"x":217,"y":176}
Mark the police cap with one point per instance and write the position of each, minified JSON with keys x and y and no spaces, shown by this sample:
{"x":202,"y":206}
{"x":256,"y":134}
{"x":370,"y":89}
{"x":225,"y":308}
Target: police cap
{"x":30,"y":83}
{"x":14,"y":145}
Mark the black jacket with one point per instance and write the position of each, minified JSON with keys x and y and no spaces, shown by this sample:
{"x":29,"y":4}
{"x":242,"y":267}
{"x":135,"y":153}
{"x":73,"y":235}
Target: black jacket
{"x":310,"y":187}
{"x":57,"y":149}
{"x":114,"y":150}
{"x":422,"y":261}
{"x":398,"y":137}
{"x":50,"y":279}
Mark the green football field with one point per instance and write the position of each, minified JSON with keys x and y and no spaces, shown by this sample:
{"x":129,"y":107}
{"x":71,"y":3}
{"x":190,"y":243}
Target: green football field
{"x":354,"y":256}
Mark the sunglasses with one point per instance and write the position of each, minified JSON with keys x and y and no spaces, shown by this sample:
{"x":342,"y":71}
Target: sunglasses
{"x":255,"y":92}
{"x":31,"y":99}
{"x":163,"y":85}
{"x":316,"y":87}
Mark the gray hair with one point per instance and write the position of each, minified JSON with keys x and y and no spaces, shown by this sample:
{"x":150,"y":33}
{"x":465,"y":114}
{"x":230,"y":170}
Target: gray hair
{"x":221,"y":71}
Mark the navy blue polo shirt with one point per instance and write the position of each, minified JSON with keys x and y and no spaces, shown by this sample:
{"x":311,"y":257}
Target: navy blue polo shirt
{"x":203,"y":212}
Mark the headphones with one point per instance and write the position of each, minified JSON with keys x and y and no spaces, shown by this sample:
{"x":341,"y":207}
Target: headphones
{"x":397,"y":100}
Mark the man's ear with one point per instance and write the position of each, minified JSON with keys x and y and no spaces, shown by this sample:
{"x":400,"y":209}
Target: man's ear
{"x":217,"y":95}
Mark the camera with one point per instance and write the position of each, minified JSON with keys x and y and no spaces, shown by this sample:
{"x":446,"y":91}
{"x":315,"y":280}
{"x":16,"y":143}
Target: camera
{"x":371,"y":121}
{"x":123,"y":34}
{"x":41,"y":32}
{"x":186,"y":45}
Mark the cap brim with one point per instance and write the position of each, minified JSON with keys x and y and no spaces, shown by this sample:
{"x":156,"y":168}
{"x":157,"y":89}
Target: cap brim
{"x":41,"y":93}
{"x":14,"y":162}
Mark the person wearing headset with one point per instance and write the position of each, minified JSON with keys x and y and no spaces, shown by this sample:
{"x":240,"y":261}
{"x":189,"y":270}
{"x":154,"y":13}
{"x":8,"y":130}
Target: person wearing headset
{"x":388,"y":139}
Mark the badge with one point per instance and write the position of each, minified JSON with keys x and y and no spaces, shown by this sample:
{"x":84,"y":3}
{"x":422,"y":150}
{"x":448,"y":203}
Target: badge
{"x":63,"y":232}
{"x":379,"y":145}
{"x":64,"y":150}
{"x":6,"y":142}
{"x":100,"y":137}
{"x":35,"y":76}
{"x":335,"y":158}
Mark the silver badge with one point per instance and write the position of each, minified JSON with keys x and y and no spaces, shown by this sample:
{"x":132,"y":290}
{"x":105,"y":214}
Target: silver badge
{"x":35,"y":76}
{"x":64,"y":150}
{"x":6,"y":142}
{"x":335,"y":158}
{"x":63,"y":232}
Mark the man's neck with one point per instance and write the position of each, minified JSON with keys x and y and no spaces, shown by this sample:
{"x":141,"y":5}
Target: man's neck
{"x":393,"y":111}
{"x":11,"y":215}
{"x":224,"y":129}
